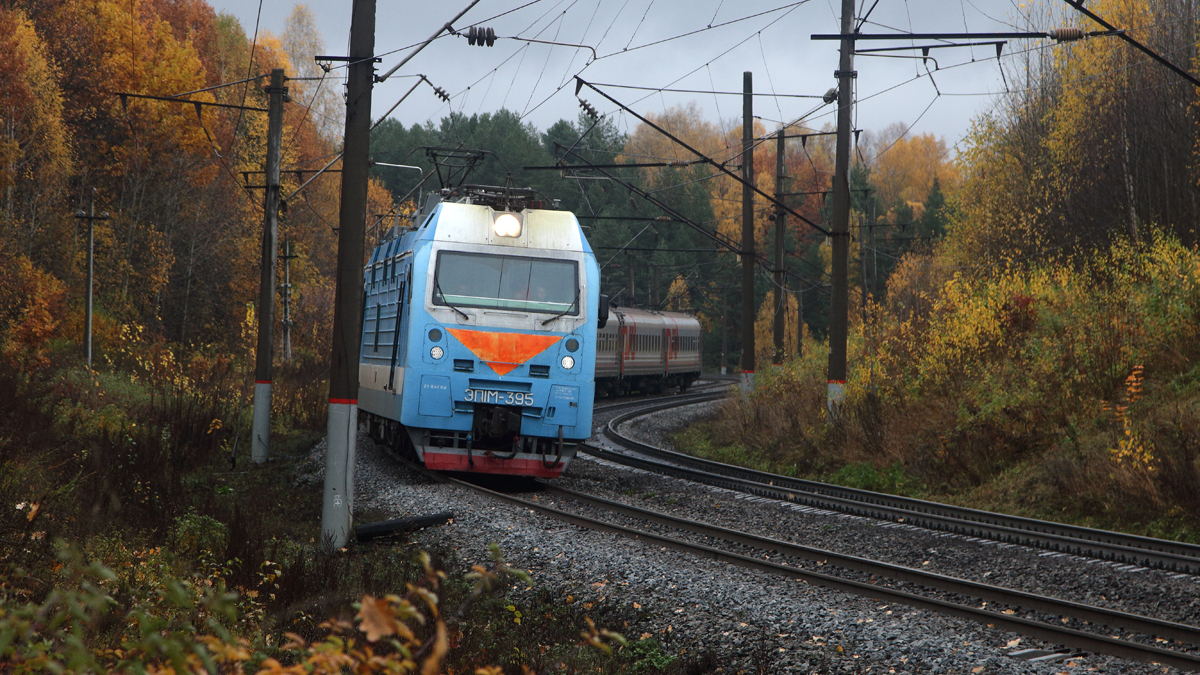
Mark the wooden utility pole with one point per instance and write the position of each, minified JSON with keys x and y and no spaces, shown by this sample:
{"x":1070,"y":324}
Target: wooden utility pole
{"x":91,"y":219}
{"x":260,"y":447}
{"x":748,"y":232}
{"x":840,"y":227}
{"x":338,"y":493}
{"x":780,"y":215}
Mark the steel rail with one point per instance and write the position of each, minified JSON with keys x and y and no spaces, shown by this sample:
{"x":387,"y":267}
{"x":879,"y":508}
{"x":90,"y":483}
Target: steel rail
{"x":675,"y":400}
{"x":1052,"y":633}
{"x":940,"y":582}
{"x":1072,"y":539}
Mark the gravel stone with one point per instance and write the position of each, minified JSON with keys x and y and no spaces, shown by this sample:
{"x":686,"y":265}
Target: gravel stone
{"x":753,"y":621}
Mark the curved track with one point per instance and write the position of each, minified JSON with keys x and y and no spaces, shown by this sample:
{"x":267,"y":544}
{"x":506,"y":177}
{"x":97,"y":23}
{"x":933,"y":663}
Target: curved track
{"x":923,"y":590}
{"x":1068,"y":623}
{"x":1082,"y":541}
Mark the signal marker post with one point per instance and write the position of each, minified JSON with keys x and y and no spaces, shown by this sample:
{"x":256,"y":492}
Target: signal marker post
{"x":261,"y":440}
{"x":342,"y":430}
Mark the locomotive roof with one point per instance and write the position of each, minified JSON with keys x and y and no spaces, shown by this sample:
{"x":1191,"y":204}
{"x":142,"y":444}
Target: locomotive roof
{"x":469,"y":222}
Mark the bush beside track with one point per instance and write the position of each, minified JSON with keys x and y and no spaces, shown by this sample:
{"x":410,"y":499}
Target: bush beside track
{"x":129,"y":541}
{"x":1055,"y":392}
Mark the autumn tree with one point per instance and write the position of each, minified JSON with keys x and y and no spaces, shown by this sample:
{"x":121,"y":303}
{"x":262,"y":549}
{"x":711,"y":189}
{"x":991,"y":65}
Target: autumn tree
{"x":1094,"y":142}
{"x":35,"y":146}
{"x":907,"y":166}
{"x":301,"y":40}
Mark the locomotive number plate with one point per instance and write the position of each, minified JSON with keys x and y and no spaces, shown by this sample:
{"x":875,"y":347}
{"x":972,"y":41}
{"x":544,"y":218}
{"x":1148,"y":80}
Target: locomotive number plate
{"x":499,"y":397}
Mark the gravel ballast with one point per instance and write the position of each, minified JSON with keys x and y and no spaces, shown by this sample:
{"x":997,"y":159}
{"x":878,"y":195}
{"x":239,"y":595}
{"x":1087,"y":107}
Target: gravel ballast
{"x":753,"y":621}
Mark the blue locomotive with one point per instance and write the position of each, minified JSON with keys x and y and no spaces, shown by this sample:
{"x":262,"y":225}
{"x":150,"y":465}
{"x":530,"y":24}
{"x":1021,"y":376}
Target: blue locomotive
{"x":479,"y":334}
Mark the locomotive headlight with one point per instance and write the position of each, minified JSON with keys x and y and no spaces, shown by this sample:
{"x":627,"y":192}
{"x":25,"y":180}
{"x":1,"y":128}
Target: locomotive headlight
{"x":436,"y":353}
{"x":568,"y":362}
{"x":507,"y":225}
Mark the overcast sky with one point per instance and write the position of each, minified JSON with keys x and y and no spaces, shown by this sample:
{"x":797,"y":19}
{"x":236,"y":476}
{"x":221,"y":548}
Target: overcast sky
{"x":535,"y":79}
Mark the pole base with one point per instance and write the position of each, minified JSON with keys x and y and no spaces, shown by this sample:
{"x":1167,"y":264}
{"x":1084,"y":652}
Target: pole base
{"x":747,"y":381}
{"x":337,"y":504}
{"x":260,"y":448}
{"x":835,"y":396}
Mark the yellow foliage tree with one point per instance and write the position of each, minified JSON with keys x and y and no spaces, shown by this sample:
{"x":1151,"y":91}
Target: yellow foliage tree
{"x":905,"y":172}
{"x":35,"y":144}
{"x":764,"y":329}
{"x":678,"y":297}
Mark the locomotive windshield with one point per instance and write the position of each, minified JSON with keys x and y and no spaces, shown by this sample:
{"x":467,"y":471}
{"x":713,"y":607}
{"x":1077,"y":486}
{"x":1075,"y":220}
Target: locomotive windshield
{"x":506,"y":282}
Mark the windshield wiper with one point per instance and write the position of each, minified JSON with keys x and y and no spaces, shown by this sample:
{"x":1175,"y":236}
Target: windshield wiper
{"x":562,"y":313}
{"x":437,"y":286}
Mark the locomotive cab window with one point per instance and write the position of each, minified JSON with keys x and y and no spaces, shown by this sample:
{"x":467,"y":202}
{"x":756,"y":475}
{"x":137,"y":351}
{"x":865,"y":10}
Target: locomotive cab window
{"x":506,"y":282}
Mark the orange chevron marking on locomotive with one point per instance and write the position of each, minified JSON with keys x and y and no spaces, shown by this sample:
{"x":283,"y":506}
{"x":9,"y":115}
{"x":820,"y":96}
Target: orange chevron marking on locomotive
{"x":503,"y":351}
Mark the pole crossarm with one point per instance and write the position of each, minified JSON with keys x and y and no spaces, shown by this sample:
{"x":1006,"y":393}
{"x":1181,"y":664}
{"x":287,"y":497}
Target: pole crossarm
{"x":933,"y":36}
{"x":632,"y":165}
{"x":1078,"y":5}
{"x":579,"y":82}
{"x":716,"y":237}
{"x":421,"y":78}
{"x":446,"y":27}
{"x":676,"y":217}
{"x":126,"y":95}
{"x":315,"y":176}
{"x":926,"y":48}
{"x":662,"y":219}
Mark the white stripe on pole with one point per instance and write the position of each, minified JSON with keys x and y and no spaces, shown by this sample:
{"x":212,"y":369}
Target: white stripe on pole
{"x":261,"y":442}
{"x":338,"y":504}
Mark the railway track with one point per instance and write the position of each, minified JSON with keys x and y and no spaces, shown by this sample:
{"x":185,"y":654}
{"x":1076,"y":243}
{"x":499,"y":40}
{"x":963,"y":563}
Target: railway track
{"x":1069,"y":539}
{"x":1038,"y":616}
{"x":1061,"y":622}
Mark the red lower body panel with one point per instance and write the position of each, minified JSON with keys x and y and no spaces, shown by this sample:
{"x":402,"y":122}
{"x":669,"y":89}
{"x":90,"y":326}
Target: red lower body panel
{"x":517,"y":466}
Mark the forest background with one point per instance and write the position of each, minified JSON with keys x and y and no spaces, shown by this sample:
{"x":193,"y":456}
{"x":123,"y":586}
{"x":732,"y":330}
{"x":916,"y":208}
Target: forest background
{"x":1024,"y":338}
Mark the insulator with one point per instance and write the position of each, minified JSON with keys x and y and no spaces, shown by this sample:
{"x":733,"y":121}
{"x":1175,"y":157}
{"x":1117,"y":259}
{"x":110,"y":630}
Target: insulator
{"x":478,"y":35}
{"x":587,"y":108}
{"x":441,"y":93}
{"x":1066,"y":34}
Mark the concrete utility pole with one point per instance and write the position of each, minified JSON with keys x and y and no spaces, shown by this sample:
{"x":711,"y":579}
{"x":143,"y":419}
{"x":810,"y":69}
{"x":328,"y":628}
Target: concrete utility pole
{"x":799,"y":320}
{"x":654,"y":299}
{"x":724,"y":333}
{"x":840,"y":227}
{"x":862,"y":263}
{"x":261,"y":438}
{"x":288,"y":256}
{"x":780,"y":214}
{"x":874,"y":255}
{"x":338,"y":493}
{"x":748,"y":232}
{"x":91,"y":219}
{"x":632,"y":293}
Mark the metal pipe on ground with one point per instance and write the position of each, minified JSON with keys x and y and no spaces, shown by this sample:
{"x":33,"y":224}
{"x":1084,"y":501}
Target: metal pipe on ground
{"x":369,"y":531}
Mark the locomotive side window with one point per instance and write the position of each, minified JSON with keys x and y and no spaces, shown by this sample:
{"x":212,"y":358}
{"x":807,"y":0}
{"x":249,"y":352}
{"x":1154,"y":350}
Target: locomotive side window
{"x":506,"y":282}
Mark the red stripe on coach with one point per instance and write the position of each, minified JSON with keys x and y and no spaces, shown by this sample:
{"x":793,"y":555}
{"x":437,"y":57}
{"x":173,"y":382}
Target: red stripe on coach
{"x":343,"y":401}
